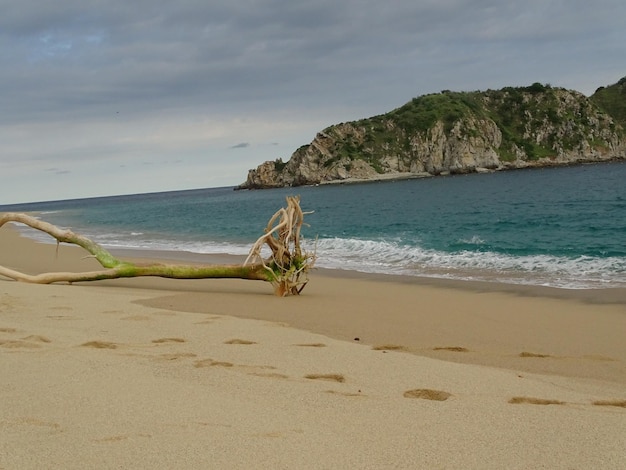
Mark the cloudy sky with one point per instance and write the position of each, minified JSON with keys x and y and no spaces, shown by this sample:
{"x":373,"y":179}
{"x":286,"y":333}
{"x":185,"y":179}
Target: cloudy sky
{"x":104,"y":97}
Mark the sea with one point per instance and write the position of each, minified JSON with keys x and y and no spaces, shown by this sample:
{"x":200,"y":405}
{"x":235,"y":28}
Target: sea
{"x":562,"y":227}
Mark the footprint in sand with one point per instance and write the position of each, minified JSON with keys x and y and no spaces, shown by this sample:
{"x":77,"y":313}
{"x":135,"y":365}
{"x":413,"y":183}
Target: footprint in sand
{"x":451,"y":348}
{"x":618,"y":403}
{"x":28,"y":342}
{"x":212,"y":363}
{"x":531,"y":354}
{"x":389,"y":347}
{"x":99,"y":345}
{"x":329,"y":377}
{"x":271,"y":375}
{"x":37,"y":338}
{"x":345,"y":394}
{"x":168,"y":340}
{"x":175,"y":356}
{"x":8,"y":330}
{"x":239,"y":341}
{"x":427,"y":394}
{"x":534,"y":401}
{"x":256,"y":370}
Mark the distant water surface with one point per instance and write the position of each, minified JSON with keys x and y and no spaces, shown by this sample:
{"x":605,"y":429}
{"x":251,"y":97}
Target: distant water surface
{"x":561,"y":227}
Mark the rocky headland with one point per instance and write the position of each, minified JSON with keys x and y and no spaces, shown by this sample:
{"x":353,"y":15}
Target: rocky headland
{"x":461,"y":132}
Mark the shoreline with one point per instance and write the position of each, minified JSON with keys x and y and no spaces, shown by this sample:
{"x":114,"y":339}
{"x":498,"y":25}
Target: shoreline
{"x":389,"y":310}
{"x":604,"y":295}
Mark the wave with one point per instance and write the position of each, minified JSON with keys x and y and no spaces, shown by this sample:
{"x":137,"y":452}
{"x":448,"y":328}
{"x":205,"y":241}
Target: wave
{"x":386,"y":257}
{"x":144,"y":241}
{"x":141,"y":241}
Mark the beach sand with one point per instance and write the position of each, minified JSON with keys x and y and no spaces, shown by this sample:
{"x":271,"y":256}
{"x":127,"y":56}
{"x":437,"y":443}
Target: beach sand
{"x":359,"y":371}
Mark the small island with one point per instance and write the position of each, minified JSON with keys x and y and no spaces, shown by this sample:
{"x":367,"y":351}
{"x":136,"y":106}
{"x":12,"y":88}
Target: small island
{"x":461,"y":132}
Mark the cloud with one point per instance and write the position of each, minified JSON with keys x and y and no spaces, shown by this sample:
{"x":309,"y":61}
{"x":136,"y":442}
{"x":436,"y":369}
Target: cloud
{"x":58,"y":171}
{"x":91,"y":81}
{"x":241,"y":145}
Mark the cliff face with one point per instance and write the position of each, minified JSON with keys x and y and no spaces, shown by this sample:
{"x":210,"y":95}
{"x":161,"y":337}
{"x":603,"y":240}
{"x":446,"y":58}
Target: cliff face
{"x":453,"y":132}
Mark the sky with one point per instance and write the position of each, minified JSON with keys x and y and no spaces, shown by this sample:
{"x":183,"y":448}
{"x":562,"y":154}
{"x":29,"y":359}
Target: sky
{"x":107,"y":97}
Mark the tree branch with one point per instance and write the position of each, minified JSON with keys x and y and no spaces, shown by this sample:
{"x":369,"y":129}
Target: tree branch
{"x":286,"y":269}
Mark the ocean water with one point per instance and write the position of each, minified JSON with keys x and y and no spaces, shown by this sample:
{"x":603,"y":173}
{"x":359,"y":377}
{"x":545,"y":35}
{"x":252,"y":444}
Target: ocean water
{"x":561,"y":227}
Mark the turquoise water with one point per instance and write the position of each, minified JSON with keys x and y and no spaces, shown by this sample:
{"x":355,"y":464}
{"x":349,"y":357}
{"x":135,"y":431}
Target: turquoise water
{"x":562,"y":227}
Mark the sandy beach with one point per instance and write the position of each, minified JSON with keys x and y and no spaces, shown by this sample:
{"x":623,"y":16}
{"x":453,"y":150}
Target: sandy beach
{"x":364,"y":372}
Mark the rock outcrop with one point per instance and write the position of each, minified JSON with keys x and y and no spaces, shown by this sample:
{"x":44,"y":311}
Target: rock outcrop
{"x":450,"y":132}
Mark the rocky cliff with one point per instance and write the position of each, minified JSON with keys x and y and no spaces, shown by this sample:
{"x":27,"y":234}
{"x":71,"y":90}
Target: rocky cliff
{"x":452,"y":132}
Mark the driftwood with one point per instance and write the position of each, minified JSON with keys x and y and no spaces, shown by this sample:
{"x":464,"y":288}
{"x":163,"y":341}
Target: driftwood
{"x":286,"y":268}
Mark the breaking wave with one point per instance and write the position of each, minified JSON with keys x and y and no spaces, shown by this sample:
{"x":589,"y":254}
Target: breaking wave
{"x":394,"y":258}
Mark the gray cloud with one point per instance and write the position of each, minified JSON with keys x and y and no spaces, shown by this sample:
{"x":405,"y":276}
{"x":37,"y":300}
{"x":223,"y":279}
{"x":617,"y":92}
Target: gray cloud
{"x":241,"y":145}
{"x":98,"y":69}
{"x":58,"y":171}
{"x":86,"y":57}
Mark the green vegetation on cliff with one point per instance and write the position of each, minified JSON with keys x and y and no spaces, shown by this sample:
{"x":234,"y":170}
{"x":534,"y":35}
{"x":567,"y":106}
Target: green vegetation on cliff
{"x":420,"y":114}
{"x":612,"y":100}
{"x":537,"y":121}
{"x":460,"y":132}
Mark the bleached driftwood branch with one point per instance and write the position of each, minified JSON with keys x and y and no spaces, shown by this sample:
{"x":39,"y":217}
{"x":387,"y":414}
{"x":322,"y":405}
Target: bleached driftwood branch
{"x":286,"y":268}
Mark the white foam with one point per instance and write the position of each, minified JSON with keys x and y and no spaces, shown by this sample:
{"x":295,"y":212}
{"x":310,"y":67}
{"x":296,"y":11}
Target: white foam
{"x":474,"y":240}
{"x":392,"y":258}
